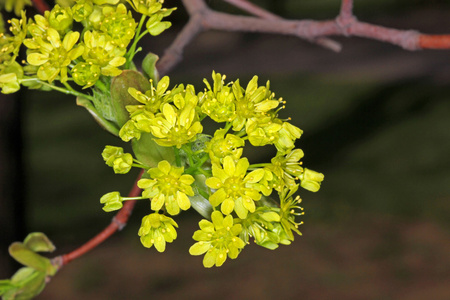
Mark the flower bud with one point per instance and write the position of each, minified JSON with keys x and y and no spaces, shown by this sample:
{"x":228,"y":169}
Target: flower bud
{"x":61,"y":18}
{"x":311,"y":180}
{"x":112,"y":201}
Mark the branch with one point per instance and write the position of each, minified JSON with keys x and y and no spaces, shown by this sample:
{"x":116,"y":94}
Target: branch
{"x":41,"y":6}
{"x":117,"y":223}
{"x":203,"y":18}
{"x":264,"y":14}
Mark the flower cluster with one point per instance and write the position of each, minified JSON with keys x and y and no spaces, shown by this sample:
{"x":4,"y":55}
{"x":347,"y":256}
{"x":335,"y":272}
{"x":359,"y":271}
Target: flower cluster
{"x":210,"y":173}
{"x":92,"y":43}
{"x":57,"y":52}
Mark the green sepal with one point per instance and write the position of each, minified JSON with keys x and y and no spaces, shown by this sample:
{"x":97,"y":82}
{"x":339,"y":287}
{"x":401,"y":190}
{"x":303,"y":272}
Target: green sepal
{"x":149,"y":66}
{"x":29,"y":258}
{"x":39,"y":242}
{"x":120,"y":97}
{"x":105,"y":124}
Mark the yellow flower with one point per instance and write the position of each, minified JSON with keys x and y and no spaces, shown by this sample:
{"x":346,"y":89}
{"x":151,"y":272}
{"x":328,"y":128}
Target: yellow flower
{"x":254,"y":102}
{"x":235,"y":189}
{"x":177,"y":124}
{"x":101,"y":51}
{"x":157,"y":229}
{"x":218,"y":102}
{"x":220,"y":146}
{"x":168,"y":186}
{"x":218,"y":239}
{"x":53,"y":57}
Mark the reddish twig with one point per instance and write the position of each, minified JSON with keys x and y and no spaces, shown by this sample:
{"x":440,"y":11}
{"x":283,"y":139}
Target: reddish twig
{"x":41,"y":6}
{"x":264,"y":14}
{"x":345,"y":24}
{"x":117,"y":223}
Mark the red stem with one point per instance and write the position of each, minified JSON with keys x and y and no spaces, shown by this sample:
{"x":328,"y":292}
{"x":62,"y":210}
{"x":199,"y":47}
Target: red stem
{"x":41,"y":6}
{"x":434,"y":41}
{"x":346,"y":9}
{"x":117,"y":223}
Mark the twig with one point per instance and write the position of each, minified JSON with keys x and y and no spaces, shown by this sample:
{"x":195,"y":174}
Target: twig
{"x":264,"y":14}
{"x":203,"y":18}
{"x":117,"y":223}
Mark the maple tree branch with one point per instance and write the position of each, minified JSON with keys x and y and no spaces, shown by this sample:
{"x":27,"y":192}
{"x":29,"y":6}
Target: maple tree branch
{"x":118,"y":223}
{"x":41,"y":6}
{"x":203,"y":18}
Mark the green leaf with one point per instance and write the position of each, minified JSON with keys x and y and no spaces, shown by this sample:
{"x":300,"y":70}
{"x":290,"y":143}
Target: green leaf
{"x":26,"y":283}
{"x":149,"y":66}
{"x":39,"y":242}
{"x":120,"y":97}
{"x":150,"y":153}
{"x":105,"y":124}
{"x":31,"y":259}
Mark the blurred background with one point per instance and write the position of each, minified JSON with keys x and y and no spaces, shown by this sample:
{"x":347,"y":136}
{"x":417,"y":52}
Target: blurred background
{"x":376,"y":123}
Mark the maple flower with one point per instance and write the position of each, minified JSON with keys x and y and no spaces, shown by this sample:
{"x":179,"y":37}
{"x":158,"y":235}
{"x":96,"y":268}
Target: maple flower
{"x":177,"y":124}
{"x":119,"y":24}
{"x":168,"y":186}
{"x":217,"y":239}
{"x":112,"y":201}
{"x":221,"y":146}
{"x":157,"y":229}
{"x":235,"y":189}
{"x":53,"y":57}
{"x":101,"y":51}
{"x":254,"y":102}
{"x":218,"y":102}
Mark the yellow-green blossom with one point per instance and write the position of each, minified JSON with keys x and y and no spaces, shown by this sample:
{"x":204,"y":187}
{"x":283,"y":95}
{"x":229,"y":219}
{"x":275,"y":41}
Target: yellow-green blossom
{"x":53,"y":57}
{"x":287,"y":136}
{"x":38,"y":27}
{"x":61,"y":19}
{"x":254,"y":102}
{"x":112,"y":201}
{"x":260,"y":226}
{"x":218,"y":102}
{"x":311,"y":180}
{"x":119,"y":24}
{"x":153,"y":9}
{"x":287,"y":167}
{"x":115,"y":157}
{"x":217,"y":239}
{"x":177,"y":124}
{"x":220,"y":146}
{"x":157,"y":229}
{"x":16,"y":5}
{"x":101,"y":51}
{"x":235,"y":189}
{"x":9,"y":82}
{"x":153,"y":98}
{"x":86,"y":74}
{"x":263,"y":130}
{"x":82,"y":10}
{"x":289,"y":209}
{"x":10,"y":45}
{"x":168,"y":186}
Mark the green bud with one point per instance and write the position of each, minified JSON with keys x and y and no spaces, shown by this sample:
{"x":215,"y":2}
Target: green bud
{"x":82,"y":10}
{"x":110,"y":153}
{"x":61,"y":18}
{"x":9,"y":83}
{"x":123,"y":164}
{"x":86,"y":74}
{"x":112,"y":201}
{"x":311,"y":180}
